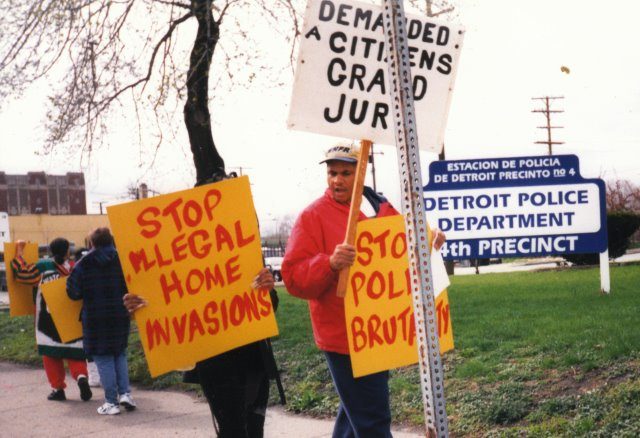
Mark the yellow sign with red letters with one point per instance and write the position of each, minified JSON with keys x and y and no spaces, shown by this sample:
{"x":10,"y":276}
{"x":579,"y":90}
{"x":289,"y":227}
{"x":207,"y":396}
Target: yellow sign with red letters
{"x":192,"y":255}
{"x":378,"y":305}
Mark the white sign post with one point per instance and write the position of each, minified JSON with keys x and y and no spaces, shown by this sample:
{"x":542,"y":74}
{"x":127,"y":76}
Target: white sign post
{"x":342,"y":86}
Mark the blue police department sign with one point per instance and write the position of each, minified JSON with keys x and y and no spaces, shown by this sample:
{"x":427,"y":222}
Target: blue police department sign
{"x":516,"y":207}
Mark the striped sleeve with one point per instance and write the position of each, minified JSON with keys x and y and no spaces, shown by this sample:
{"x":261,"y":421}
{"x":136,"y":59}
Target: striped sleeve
{"x":26,"y":273}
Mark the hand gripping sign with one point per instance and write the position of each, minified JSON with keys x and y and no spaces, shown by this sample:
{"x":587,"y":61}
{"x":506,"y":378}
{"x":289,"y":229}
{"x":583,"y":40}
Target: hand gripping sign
{"x":378,"y":306}
{"x":192,"y":255}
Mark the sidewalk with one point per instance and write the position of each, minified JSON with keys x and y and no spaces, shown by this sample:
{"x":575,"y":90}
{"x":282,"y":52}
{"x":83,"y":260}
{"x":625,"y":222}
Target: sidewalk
{"x":27,"y":413}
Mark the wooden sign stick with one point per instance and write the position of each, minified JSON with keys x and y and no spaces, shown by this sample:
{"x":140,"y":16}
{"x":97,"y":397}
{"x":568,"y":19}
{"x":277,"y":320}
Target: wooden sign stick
{"x":354,"y":209}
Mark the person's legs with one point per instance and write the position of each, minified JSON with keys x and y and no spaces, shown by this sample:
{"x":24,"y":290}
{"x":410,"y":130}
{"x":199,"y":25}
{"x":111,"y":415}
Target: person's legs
{"x":77,"y":368}
{"x":365,"y":400}
{"x":226,"y":398}
{"x":257,"y":410}
{"x":122,"y":373}
{"x":54,"y":368}
{"x":107,"y":371}
{"x":342,"y":427}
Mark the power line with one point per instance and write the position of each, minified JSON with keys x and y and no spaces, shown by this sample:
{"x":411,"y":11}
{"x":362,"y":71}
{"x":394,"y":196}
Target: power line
{"x":547,"y":111}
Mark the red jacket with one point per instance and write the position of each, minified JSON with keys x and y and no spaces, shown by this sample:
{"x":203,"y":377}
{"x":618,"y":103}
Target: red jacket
{"x":306,"y":271}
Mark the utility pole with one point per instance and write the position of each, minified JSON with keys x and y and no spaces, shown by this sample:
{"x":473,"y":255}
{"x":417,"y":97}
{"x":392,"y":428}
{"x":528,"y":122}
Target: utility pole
{"x":100,"y":204}
{"x":547,"y":112}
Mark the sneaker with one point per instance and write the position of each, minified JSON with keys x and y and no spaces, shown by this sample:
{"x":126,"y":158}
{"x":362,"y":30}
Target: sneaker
{"x":127,"y":401}
{"x":57,"y":395}
{"x":109,"y":409}
{"x":85,"y":391}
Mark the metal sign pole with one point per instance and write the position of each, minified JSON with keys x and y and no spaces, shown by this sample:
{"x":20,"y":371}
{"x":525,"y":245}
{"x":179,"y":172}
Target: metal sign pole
{"x":418,"y":248}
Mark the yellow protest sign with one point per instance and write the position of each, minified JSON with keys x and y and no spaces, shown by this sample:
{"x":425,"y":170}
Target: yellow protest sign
{"x":378,"y":306}
{"x":20,"y":295}
{"x":193,"y":256}
{"x":64,"y":311}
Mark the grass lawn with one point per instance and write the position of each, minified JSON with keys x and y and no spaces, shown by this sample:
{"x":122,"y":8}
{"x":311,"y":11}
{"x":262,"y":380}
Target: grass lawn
{"x":537,"y":354}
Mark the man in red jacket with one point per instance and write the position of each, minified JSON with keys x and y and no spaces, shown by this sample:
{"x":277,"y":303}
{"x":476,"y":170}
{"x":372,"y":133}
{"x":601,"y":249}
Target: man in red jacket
{"x":315,"y":255}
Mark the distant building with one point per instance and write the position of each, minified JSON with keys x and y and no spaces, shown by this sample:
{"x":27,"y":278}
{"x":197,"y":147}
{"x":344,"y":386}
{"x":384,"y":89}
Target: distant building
{"x":39,"y":193}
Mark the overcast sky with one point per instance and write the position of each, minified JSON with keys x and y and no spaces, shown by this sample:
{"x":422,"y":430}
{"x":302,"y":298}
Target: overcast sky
{"x":513,"y":51}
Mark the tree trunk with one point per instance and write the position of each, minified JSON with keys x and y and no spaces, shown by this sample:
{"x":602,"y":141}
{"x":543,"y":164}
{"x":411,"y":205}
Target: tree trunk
{"x":208,"y":162}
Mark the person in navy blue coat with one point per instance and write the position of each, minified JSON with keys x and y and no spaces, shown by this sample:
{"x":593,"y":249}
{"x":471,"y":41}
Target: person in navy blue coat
{"x":98,"y":280}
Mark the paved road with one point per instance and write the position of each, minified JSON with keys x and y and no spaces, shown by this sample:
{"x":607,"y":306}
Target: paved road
{"x":25,"y":412}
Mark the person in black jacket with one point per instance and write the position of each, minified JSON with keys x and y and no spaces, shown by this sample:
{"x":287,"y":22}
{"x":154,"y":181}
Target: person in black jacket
{"x":98,"y":280}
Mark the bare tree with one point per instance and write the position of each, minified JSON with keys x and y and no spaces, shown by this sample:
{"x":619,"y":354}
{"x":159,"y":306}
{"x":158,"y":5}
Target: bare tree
{"x":623,"y":196}
{"x":105,"y":56}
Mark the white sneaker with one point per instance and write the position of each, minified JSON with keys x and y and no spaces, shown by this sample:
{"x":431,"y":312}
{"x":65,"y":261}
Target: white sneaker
{"x":127,"y":401}
{"x":109,"y":409}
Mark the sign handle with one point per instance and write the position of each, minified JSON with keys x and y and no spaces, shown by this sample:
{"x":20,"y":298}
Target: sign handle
{"x":354,"y":210}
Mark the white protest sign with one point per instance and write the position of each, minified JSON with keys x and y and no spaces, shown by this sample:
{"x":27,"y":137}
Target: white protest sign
{"x":341,"y":86}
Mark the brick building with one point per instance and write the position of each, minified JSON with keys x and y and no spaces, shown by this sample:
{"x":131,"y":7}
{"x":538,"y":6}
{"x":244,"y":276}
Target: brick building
{"x":39,"y":193}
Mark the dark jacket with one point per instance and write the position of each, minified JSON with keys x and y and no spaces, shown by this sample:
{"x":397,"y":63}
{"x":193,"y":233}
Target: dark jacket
{"x":98,"y":280}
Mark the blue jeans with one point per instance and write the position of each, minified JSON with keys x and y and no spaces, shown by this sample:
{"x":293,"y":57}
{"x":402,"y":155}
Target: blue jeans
{"x":114,"y":375}
{"x":364,"y":410}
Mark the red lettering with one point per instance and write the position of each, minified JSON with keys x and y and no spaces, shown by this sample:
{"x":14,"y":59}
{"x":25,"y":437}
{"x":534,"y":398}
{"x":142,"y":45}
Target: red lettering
{"x":167,"y":288}
{"x":376,"y":277}
{"x":223,"y":236}
{"x":172,"y":209}
{"x":157,"y":333}
{"x":140,"y":258}
{"x":242,"y":241}
{"x":237,"y":310}
{"x":443,"y":318}
{"x":231,"y":269}
{"x":357,"y":281}
{"x":178,"y":250}
{"x":192,"y":213}
{"x":381,"y":240}
{"x":199,"y":277}
{"x":211,"y":201}
{"x":195,"y":325}
{"x":204,"y":250}
{"x":390,"y":333}
{"x":154,"y":225}
{"x":407,"y":277}
{"x":208,"y":315}
{"x":405,"y":323}
{"x":412,"y":329}
{"x":179,"y":327}
{"x":362,"y":250}
{"x":392,"y":293}
{"x":397,"y":252}
{"x":225,"y":317}
{"x":373,"y":325}
{"x":159,"y":258}
{"x":214,"y":277}
{"x":251,"y":306}
{"x":265,"y":301}
{"x":357,"y":334}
